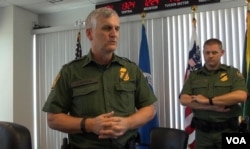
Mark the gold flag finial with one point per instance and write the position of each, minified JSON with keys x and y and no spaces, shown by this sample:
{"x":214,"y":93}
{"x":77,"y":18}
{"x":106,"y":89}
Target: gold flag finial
{"x":143,"y":15}
{"x":194,"y":9}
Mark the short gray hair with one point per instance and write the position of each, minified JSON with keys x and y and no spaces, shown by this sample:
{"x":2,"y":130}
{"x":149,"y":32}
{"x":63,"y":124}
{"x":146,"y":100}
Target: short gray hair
{"x":104,"y":12}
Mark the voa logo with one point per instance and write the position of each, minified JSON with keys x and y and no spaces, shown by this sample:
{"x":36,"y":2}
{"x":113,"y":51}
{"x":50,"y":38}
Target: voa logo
{"x":236,"y":140}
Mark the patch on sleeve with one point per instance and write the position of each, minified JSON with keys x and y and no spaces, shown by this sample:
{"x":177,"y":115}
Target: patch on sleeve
{"x":239,"y":74}
{"x":55,"y":81}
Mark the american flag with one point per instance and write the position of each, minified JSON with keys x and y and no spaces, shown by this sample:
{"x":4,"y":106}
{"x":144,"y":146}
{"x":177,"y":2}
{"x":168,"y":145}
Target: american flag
{"x":78,"y":46}
{"x":194,"y":62}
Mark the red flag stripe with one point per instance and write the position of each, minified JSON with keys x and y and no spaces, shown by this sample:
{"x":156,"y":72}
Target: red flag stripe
{"x":193,"y":64}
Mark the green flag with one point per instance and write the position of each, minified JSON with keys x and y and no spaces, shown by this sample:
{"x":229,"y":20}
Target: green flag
{"x":246,"y":71}
{"x":246,"y":74}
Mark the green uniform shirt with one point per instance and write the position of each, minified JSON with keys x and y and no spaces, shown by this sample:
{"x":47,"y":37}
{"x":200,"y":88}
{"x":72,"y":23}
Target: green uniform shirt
{"x":210,"y":84}
{"x":86,"y":89}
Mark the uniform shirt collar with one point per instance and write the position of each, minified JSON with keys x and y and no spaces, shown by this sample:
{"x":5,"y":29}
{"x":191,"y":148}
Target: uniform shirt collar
{"x":89,"y":59}
{"x":204,"y":69}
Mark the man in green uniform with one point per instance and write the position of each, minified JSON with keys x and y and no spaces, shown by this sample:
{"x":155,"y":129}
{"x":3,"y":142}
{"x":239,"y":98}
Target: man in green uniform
{"x":214,"y":93}
{"x":101,"y":99}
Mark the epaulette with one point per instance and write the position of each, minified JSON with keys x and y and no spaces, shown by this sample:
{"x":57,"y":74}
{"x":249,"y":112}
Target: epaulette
{"x":75,"y":60}
{"x":223,"y":66}
{"x":198,"y":69}
{"x":126,"y":59}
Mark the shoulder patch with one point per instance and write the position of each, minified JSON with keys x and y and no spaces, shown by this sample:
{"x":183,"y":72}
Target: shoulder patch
{"x":55,"y":81}
{"x":239,"y":74}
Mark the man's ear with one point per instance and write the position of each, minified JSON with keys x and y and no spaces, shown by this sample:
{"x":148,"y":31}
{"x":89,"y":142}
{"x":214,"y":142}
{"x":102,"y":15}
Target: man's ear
{"x":89,"y":34}
{"x":222,"y":52}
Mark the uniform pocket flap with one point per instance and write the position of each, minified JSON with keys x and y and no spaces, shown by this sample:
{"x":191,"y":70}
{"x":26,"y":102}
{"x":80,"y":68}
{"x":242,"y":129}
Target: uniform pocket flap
{"x":199,"y":85}
{"x":222,"y":84}
{"x":128,"y":86}
{"x":84,"y":90}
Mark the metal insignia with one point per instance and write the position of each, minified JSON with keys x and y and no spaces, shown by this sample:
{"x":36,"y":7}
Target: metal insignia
{"x":124,"y":74}
{"x":223,"y":76}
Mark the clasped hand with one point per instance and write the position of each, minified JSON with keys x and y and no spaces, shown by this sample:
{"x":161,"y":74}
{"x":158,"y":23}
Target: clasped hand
{"x":108,"y":126}
{"x":200,"y":99}
{"x":205,"y":101}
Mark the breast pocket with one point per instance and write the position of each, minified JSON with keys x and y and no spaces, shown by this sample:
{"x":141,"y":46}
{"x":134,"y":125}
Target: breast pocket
{"x":222,"y":87}
{"x":200,"y":88}
{"x":85,"y":100}
{"x":125,"y":96}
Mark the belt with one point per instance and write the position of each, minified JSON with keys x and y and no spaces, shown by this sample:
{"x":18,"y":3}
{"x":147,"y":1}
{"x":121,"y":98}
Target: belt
{"x":206,"y":126}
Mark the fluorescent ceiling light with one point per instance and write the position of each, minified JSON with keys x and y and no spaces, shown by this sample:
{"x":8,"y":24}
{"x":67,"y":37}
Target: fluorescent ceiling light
{"x":54,"y":1}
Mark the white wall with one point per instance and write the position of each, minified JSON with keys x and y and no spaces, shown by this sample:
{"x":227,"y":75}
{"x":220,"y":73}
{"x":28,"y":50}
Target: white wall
{"x":6,"y":64}
{"x":16,"y":75}
{"x":65,"y":18}
{"x":22,"y":68}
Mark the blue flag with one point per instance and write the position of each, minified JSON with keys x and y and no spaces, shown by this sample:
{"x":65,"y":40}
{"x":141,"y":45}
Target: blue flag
{"x":144,"y":64}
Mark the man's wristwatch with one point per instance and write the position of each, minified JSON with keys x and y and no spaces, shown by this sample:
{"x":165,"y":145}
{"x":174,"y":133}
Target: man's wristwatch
{"x":210,"y":101}
{"x":83,"y":125}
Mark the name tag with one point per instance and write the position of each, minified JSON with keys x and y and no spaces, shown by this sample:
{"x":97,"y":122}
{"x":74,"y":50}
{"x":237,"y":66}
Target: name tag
{"x":233,"y":140}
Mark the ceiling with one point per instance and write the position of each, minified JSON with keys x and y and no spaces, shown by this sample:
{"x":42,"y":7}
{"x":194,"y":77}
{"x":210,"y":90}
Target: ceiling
{"x":51,"y":6}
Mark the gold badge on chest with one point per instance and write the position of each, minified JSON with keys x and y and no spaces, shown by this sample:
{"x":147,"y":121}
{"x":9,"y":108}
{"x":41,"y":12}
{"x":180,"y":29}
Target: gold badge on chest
{"x":124,"y":74}
{"x":223,"y":77}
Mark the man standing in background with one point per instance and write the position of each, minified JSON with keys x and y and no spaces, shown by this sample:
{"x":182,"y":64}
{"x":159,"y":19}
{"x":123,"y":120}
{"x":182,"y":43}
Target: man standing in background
{"x":214,"y":92}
